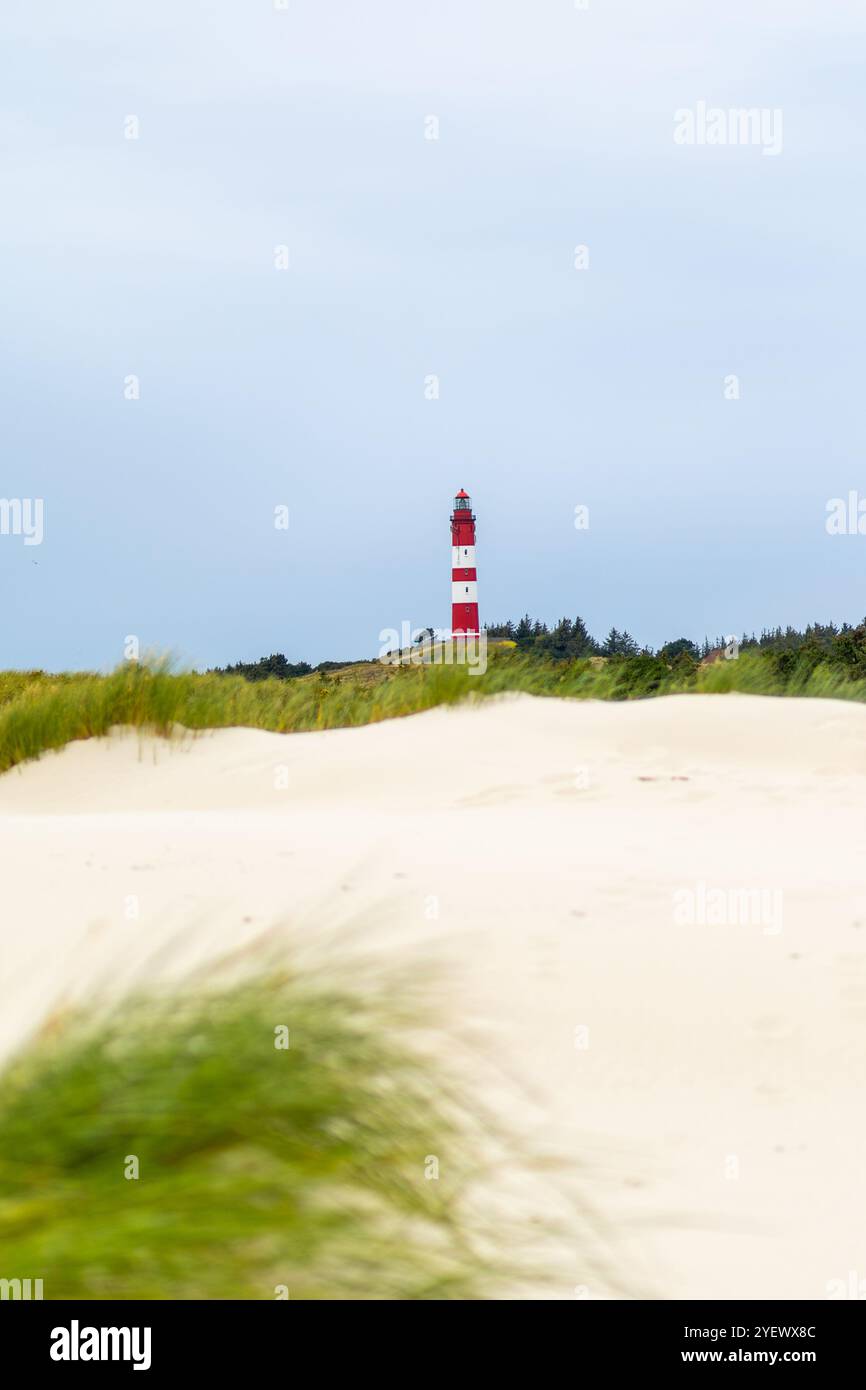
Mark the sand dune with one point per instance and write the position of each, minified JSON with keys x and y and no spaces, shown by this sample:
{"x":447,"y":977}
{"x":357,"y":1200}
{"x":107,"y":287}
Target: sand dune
{"x":644,"y":927}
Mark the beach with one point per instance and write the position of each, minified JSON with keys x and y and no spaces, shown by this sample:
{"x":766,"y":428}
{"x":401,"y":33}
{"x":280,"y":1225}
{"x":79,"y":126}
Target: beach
{"x":639,"y":929}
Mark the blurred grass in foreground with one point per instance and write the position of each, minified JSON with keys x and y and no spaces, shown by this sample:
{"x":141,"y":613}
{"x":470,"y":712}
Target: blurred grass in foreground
{"x":259,"y":1167}
{"x":40,"y":711}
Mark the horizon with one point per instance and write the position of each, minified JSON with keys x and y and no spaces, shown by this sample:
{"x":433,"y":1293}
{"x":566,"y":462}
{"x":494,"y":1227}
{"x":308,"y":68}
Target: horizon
{"x":706,"y":643}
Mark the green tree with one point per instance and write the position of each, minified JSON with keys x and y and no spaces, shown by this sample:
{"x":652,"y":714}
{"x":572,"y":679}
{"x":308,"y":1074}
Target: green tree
{"x":619,"y":644}
{"x":671,"y":650}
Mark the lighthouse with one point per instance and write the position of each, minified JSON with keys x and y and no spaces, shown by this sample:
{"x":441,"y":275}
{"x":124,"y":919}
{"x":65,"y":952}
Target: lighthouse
{"x":464,"y":582}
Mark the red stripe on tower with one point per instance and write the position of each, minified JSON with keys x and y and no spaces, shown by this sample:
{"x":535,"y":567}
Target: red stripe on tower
{"x":464,"y":583}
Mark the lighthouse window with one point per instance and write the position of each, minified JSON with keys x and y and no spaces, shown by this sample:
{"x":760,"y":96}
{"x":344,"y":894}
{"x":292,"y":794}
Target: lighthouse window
{"x":467,"y":588}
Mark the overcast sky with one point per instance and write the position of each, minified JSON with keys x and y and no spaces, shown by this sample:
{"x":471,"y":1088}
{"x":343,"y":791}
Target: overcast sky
{"x":609,"y":386}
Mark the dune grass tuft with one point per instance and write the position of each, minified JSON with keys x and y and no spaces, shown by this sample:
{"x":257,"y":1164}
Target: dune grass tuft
{"x":260,"y":1169}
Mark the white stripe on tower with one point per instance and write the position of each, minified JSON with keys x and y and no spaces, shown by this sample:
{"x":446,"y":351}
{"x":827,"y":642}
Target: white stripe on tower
{"x":464,"y":591}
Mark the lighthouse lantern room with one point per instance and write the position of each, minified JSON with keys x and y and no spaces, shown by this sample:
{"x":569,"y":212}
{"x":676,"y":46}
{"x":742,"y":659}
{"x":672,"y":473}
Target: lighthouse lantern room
{"x":464,"y":579}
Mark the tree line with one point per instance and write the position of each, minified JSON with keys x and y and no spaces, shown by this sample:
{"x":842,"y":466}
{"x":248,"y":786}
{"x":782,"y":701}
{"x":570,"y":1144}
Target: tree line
{"x":277,"y":667}
{"x":570,"y":639}
{"x":788,"y":650}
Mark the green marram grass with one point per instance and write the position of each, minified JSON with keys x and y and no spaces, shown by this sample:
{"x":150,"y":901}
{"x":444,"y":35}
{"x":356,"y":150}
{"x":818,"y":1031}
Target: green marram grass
{"x":260,"y":1168}
{"x":40,"y":712}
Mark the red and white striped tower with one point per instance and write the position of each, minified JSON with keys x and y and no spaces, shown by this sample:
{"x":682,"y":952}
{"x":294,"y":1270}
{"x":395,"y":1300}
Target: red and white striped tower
{"x":464,"y":581}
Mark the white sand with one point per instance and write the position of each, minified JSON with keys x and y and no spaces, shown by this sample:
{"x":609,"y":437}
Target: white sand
{"x":710,"y":1141}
